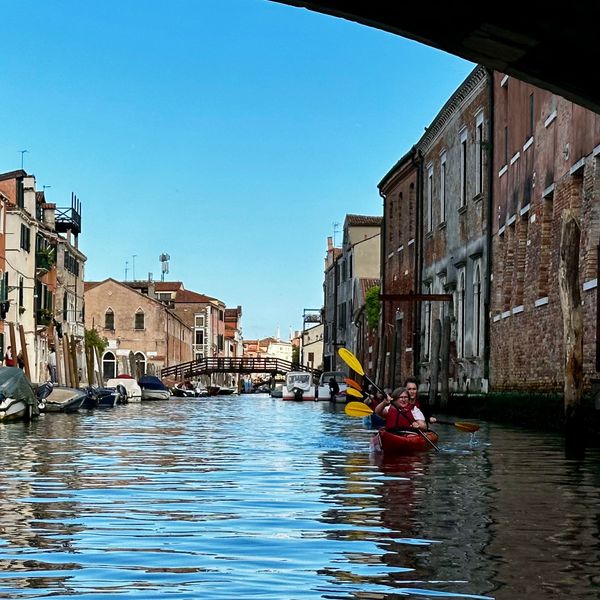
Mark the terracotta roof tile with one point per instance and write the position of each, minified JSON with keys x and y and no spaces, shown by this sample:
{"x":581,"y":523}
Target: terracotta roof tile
{"x":363,"y":220}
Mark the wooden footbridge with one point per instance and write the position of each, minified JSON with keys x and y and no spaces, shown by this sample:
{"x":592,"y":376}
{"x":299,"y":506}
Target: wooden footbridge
{"x":213,"y":364}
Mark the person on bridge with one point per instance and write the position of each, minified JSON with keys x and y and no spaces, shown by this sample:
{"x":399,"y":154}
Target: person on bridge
{"x":398,"y":414}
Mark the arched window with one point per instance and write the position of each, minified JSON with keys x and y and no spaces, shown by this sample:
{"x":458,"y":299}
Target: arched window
{"x":139,"y":319}
{"x":460,"y":315}
{"x":140,"y":364}
{"x":109,"y":365}
{"x":109,"y":319}
{"x":477,"y":311}
{"x":427,"y":324}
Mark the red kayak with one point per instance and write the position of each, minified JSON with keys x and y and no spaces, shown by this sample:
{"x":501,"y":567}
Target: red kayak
{"x":403,"y":443}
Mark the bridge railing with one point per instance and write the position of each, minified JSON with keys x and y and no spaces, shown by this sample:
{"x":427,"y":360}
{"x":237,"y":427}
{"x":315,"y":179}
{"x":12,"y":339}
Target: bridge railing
{"x":221,"y":364}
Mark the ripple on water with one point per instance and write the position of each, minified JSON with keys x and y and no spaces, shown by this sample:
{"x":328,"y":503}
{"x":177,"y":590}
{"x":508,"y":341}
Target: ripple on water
{"x":285,"y":501}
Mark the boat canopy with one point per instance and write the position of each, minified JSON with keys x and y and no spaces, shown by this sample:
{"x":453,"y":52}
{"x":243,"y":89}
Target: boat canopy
{"x":14,"y":384}
{"x":299,"y":380}
{"x":150,"y":382}
{"x":327,"y":375}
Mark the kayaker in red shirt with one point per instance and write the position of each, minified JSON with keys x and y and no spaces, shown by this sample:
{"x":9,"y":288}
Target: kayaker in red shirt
{"x":398,"y":413}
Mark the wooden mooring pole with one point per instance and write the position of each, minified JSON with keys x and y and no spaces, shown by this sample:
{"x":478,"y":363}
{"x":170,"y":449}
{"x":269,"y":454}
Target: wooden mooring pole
{"x":570,"y":301}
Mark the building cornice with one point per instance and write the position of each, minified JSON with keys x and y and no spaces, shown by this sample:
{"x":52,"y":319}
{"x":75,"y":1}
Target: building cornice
{"x":471,"y":84}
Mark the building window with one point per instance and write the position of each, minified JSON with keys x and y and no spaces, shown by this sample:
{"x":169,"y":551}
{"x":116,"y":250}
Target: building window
{"x":25,"y":238}
{"x":427,"y":324}
{"x":480,"y":152}
{"x":429,"y":206}
{"x":199,"y":320}
{"x":109,"y":366}
{"x":531,"y":115}
{"x":109,"y":319}
{"x":460,"y":314}
{"x":443,"y":187}
{"x":21,"y":295}
{"x":199,"y":355}
{"x":477,"y":309}
{"x":139,"y":319}
{"x":140,"y":364}
{"x":199,"y":337}
{"x":463,"y":168}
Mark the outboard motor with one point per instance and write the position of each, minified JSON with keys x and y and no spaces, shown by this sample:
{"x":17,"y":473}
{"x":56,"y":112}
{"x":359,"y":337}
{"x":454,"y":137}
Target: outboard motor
{"x":298,"y":393}
{"x":42,"y":392}
{"x":122,"y":393}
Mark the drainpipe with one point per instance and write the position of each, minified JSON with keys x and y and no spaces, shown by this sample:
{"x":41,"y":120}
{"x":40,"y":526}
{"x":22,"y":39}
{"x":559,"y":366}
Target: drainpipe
{"x":382,"y":290}
{"x":488,"y":230}
{"x":418,"y":162}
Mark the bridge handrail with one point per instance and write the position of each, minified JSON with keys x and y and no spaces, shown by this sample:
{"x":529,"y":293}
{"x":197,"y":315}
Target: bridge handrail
{"x":234,"y":364}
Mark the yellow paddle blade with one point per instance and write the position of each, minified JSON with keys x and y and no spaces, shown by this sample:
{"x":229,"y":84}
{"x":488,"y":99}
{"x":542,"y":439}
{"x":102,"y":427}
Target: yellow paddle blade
{"x":357,"y":409}
{"x":351,"y":360}
{"x":352,"y":392}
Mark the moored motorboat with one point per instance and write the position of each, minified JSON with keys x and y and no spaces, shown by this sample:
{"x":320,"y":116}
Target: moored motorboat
{"x":18,"y":400}
{"x":213,"y":390}
{"x":182,"y":390}
{"x":153,"y":388}
{"x":323,"y":391}
{"x":298,"y":386}
{"x":403,"y":443}
{"x":134,"y":391}
{"x":64,"y":399}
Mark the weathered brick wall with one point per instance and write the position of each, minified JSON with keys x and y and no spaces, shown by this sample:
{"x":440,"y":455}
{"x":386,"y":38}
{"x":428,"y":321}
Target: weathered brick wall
{"x":454,"y":248}
{"x":557,"y":169}
{"x":164,"y":339}
{"x":398,"y":264}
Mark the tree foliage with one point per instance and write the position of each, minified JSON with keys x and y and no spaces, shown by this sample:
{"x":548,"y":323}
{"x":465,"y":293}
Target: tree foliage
{"x":373,"y":307}
{"x":93,"y":340}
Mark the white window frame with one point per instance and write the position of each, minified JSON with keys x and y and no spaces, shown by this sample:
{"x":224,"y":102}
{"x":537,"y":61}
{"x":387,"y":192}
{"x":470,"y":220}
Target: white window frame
{"x":477,"y":309}
{"x":479,"y":141}
{"x":460,"y":312}
{"x":443,"y":187}
{"x":463,"y":167}
{"x":429,"y":206}
{"x":427,"y":323}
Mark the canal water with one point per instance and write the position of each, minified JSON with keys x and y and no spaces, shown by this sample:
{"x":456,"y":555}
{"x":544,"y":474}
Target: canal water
{"x":254,"y":497}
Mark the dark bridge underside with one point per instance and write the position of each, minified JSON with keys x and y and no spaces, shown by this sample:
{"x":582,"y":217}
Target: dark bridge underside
{"x":551,"y":46}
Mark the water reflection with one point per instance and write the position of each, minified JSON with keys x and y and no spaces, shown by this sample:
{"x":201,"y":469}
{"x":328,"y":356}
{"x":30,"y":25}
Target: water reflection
{"x":170,"y":498}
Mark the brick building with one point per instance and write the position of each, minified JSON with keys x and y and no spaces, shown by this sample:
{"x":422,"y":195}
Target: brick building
{"x":398,"y":337}
{"x":546,"y":160}
{"x":134,"y":322}
{"x":455,"y":223}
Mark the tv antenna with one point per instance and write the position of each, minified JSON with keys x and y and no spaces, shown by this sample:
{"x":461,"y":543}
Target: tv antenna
{"x":336,"y":227}
{"x":164,"y":267}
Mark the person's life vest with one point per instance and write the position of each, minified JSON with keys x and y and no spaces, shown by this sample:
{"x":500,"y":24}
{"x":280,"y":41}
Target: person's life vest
{"x":398,"y":419}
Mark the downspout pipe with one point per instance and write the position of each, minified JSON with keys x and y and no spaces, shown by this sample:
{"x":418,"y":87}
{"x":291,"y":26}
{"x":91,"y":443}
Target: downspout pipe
{"x":382,"y":288}
{"x":418,"y":277}
{"x":488,"y":229}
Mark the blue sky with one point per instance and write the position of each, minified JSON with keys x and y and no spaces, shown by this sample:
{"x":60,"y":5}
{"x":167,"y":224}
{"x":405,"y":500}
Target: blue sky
{"x":230,"y":134}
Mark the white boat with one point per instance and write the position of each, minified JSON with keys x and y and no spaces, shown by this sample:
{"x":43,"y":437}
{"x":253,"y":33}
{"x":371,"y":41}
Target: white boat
{"x":323,"y":389}
{"x":153,"y":388}
{"x":298,"y":386}
{"x":134,"y":391}
{"x":64,"y":399}
{"x":18,"y":400}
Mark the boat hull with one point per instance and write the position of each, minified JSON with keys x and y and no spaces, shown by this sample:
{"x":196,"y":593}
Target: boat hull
{"x":391,"y":443}
{"x":64,"y":399}
{"x":12,"y":410}
{"x":155,"y":394}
